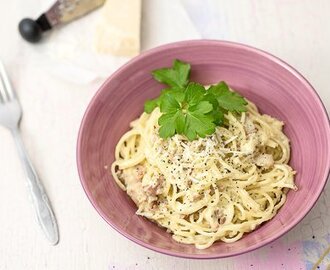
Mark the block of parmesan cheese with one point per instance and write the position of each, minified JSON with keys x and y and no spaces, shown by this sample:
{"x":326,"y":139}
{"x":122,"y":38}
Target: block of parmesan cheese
{"x":118,"y":28}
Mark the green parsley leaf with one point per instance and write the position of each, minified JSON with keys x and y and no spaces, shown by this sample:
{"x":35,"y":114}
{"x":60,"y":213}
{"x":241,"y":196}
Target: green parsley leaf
{"x":217,"y":113}
{"x":170,"y":123}
{"x":218,"y":116}
{"x":187,"y":115}
{"x":180,"y":122}
{"x":167,"y":130}
{"x":194,"y":93}
{"x":188,"y":108}
{"x":198,"y":124}
{"x":202,"y":107}
{"x":227,"y":99}
{"x":177,"y":93}
{"x":166,"y":118}
{"x":177,"y":76}
{"x":169,"y":104}
{"x":150,"y":105}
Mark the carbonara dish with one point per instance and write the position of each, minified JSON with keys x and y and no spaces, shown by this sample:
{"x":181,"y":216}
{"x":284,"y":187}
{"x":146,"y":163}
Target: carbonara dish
{"x":209,"y":189}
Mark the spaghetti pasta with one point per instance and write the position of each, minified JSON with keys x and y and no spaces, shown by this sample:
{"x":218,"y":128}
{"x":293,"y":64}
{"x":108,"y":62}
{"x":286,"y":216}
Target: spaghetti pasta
{"x":213,"y":188}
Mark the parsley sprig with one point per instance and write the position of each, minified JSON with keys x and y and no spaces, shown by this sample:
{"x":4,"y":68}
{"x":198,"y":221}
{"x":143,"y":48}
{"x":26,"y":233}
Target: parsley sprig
{"x":187,"y":107}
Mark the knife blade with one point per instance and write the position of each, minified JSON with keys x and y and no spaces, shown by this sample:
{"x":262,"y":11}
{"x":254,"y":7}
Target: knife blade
{"x":61,"y":12}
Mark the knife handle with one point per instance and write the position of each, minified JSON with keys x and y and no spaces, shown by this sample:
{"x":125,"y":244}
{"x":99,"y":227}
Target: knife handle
{"x":31,"y":30}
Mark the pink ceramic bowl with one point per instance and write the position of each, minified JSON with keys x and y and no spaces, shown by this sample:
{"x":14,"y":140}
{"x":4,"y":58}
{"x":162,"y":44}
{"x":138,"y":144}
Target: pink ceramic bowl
{"x":275,"y":87}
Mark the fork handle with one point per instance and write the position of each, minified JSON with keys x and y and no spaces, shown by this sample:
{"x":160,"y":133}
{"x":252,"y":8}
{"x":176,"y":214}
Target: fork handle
{"x":37,"y":194}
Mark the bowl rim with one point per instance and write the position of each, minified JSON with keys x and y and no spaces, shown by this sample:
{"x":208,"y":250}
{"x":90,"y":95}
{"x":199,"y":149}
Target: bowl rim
{"x":203,"y":42}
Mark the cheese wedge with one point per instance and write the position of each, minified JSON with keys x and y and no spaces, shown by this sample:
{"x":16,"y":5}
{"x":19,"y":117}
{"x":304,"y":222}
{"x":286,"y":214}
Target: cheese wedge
{"x":118,"y":28}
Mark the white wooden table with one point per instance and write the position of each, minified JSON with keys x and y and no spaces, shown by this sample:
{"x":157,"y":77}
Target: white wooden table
{"x":297,"y":31}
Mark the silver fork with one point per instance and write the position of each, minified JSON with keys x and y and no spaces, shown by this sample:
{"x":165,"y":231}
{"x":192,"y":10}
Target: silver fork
{"x":10,"y":117}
